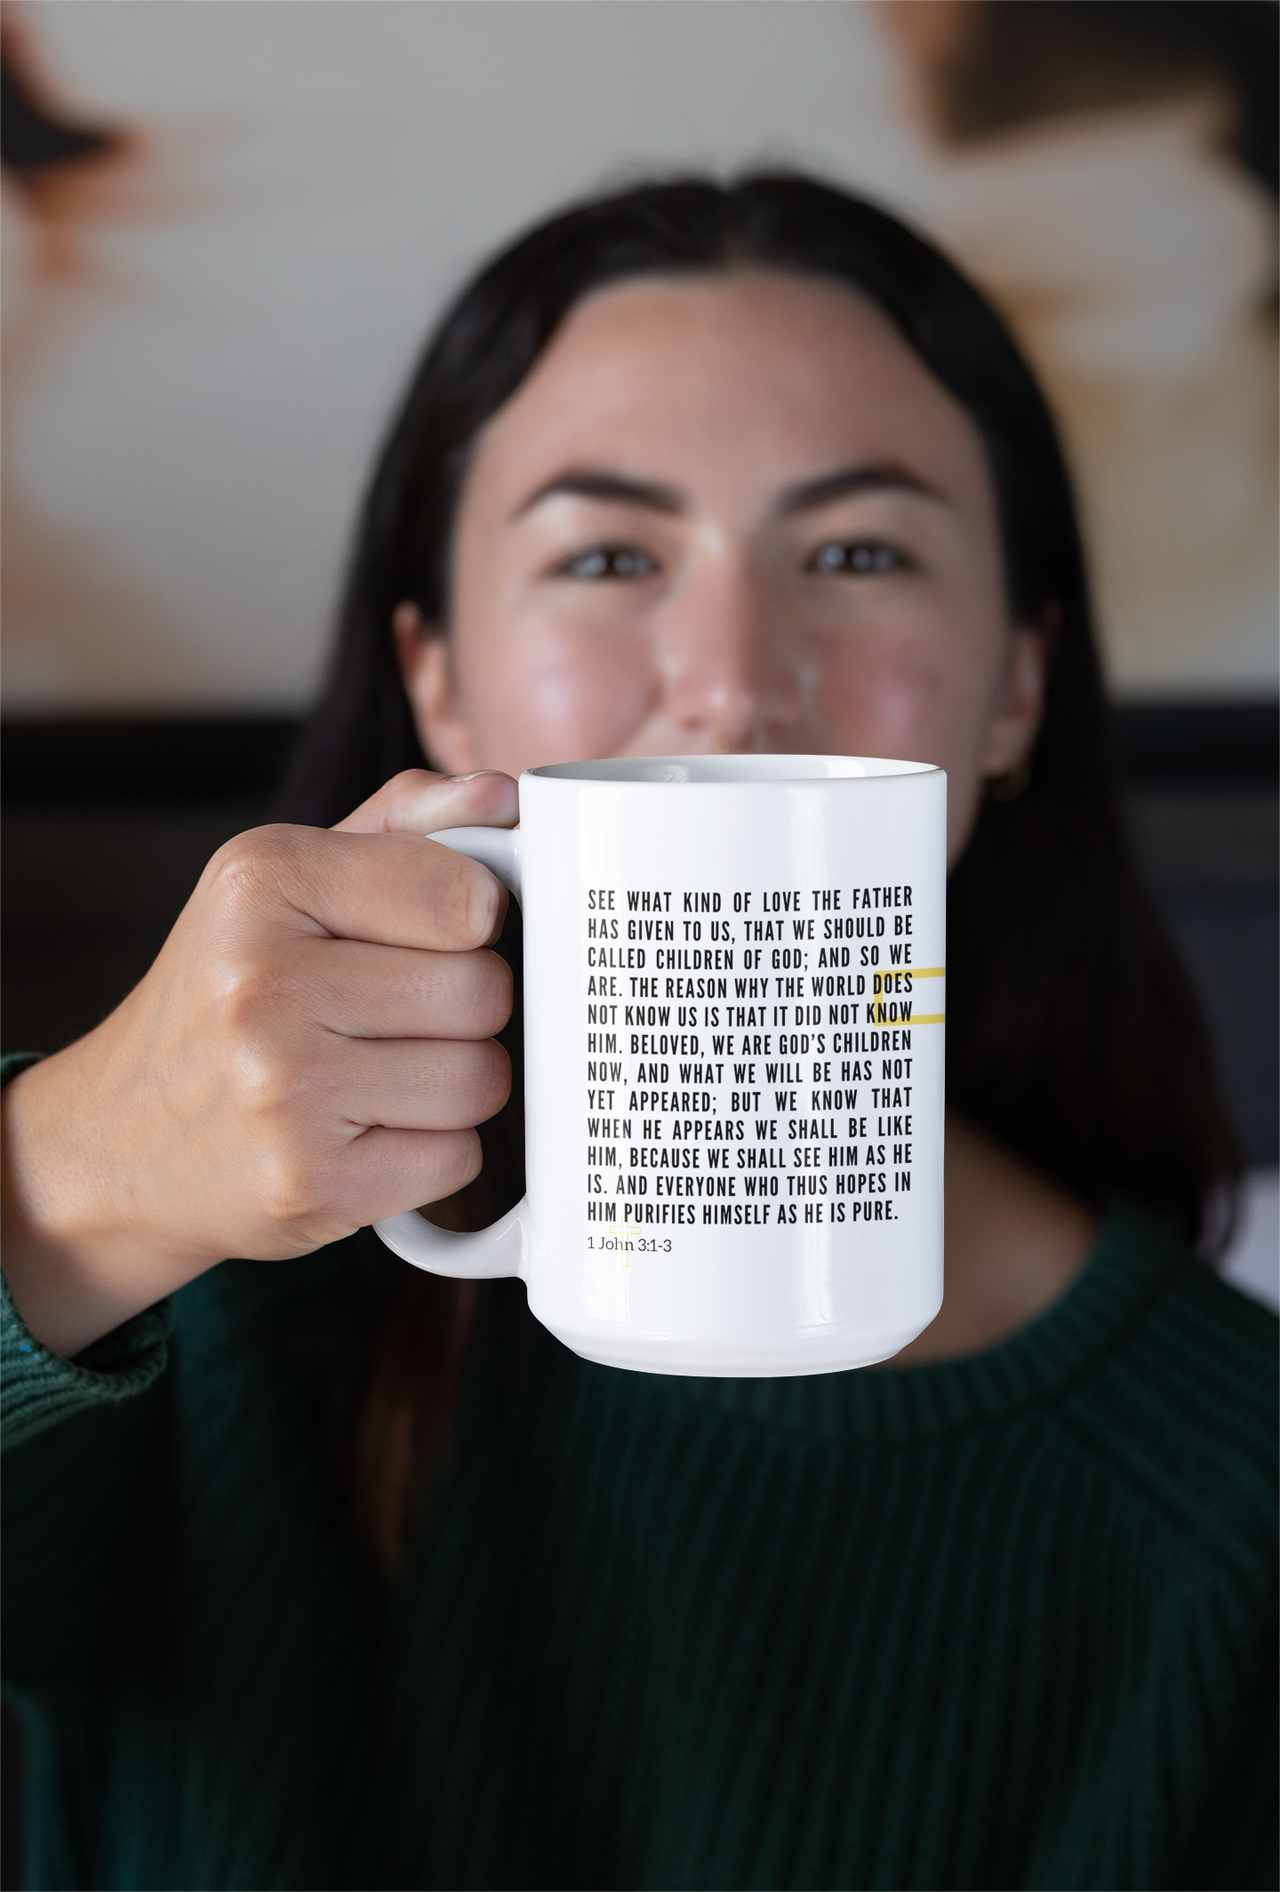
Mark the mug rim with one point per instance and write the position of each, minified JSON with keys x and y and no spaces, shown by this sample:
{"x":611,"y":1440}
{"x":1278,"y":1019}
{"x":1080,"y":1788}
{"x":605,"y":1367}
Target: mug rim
{"x":729,"y":771}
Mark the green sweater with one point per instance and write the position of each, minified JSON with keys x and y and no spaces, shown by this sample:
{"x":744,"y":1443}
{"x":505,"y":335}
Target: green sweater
{"x":1001,"y":1622}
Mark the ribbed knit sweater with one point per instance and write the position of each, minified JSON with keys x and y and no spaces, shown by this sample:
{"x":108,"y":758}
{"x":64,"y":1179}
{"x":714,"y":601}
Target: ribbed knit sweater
{"x":1000,"y":1622}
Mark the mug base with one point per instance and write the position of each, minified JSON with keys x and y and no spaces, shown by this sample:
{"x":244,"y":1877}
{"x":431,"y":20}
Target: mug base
{"x":831,"y":1353}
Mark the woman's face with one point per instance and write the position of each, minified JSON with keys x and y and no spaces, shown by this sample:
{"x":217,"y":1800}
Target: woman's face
{"x":728,"y":513}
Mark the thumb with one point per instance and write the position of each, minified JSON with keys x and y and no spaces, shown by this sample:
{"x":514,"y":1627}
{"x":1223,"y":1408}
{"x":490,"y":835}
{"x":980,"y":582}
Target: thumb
{"x":418,"y":801}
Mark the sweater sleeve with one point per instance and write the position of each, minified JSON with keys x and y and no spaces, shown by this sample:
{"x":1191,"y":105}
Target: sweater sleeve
{"x":38,"y":1388}
{"x":82,"y":1439}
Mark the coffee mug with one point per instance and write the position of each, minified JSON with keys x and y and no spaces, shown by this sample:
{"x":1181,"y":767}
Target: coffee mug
{"x":734,"y":976}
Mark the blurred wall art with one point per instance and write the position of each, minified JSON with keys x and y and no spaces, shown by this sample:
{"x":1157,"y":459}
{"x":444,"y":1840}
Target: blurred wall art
{"x":226,"y":229}
{"x":1108,"y":172}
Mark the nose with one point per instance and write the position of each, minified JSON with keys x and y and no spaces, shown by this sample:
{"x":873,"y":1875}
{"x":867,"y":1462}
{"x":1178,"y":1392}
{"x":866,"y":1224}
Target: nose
{"x":732,"y":669}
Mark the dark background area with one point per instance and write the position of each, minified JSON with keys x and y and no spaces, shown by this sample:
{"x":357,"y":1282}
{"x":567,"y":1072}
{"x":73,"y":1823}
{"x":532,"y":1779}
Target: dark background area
{"x":107,"y":825}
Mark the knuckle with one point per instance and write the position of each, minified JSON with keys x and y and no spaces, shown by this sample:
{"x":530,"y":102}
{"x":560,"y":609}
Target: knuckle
{"x":250,"y":866}
{"x":253,"y":991}
{"x":485,"y":897}
{"x":467,"y":1158}
{"x":459,"y":1155}
{"x":487,"y":994}
{"x":399,"y":801}
{"x":455,"y":1160}
{"x":294,"y":1189}
{"x":467,"y":1081}
{"x":491,"y":1079}
{"x":468,"y":902}
{"x":268,"y":1082}
{"x":409,"y":782}
{"x":300,"y":1185}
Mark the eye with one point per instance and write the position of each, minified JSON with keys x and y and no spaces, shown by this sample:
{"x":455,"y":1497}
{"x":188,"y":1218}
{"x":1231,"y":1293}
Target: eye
{"x":608,"y":561}
{"x":857,"y":558}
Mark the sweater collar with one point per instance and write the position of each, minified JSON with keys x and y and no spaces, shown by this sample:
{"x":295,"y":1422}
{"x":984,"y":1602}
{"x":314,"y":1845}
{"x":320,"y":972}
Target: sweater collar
{"x":1132,"y":1262}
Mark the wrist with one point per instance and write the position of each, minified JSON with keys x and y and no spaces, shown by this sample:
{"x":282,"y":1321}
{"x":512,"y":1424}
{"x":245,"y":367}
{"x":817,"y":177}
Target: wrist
{"x":78,"y":1265}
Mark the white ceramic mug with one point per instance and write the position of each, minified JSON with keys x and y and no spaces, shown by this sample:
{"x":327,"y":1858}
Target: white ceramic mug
{"x":733,"y":1061}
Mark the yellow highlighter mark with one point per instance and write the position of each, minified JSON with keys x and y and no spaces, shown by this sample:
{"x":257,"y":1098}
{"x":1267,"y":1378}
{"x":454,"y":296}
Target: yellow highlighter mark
{"x":900,"y":1010}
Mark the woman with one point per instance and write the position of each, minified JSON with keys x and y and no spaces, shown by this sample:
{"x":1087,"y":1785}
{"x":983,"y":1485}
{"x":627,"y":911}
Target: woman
{"x":685,"y":469}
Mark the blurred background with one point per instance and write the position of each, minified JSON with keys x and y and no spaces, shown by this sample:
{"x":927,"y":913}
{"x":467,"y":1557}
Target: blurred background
{"x":227,"y":228}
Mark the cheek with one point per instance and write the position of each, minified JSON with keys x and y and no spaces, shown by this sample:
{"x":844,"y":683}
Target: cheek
{"x":901,"y":689}
{"x":917,"y":698}
{"x":543,"y":693}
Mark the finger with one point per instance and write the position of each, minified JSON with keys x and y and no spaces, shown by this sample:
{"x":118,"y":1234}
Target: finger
{"x":417,"y":801}
{"x":388,"y":889}
{"x":415,"y":1084}
{"x":385,"y":1172}
{"x":362,"y":991}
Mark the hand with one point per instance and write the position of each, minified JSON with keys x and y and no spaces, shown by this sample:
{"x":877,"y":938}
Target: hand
{"x":309,"y":1053}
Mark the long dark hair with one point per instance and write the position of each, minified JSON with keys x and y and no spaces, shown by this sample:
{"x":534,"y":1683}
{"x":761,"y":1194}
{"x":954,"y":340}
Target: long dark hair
{"x":1074,"y":1035}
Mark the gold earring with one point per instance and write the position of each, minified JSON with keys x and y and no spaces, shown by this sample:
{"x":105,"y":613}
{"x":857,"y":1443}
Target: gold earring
{"x":1009,"y":787}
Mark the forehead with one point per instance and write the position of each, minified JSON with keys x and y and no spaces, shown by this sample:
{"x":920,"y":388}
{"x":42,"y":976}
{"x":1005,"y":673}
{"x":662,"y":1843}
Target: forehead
{"x":780,"y":374}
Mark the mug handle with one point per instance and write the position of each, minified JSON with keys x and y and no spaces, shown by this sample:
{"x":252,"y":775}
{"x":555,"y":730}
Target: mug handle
{"x":503,"y":1248}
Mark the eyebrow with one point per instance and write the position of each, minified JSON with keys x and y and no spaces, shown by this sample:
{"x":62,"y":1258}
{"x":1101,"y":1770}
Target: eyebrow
{"x":881,"y":476}
{"x":587,"y":482}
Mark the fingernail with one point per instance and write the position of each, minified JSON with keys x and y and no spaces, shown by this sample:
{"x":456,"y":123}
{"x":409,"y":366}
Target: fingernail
{"x":470,"y":778}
